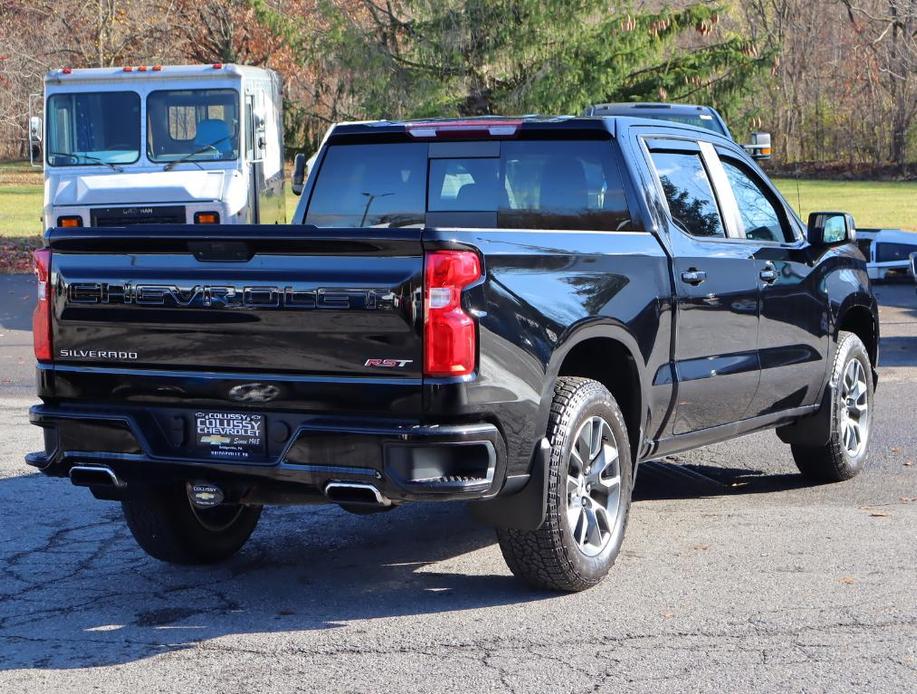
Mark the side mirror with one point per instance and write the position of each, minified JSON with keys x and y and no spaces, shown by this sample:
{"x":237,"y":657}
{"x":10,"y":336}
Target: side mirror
{"x":760,"y":146}
{"x":35,"y":137}
{"x":300,"y":171}
{"x":831,"y":228}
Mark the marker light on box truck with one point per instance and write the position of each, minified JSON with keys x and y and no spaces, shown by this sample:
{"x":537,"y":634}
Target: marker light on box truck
{"x":450,"y":334}
{"x":41,"y":317}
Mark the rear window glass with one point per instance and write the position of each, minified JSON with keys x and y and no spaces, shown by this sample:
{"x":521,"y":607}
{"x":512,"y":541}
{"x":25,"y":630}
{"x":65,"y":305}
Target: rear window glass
{"x":890,"y":252}
{"x":370,"y":186}
{"x":531,"y":184}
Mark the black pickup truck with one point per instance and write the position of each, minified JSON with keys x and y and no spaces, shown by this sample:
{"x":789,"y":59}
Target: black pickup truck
{"x":514,"y":312}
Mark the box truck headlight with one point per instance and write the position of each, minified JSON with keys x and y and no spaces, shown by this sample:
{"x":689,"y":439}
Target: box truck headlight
{"x":206,"y":217}
{"x":70,"y":221}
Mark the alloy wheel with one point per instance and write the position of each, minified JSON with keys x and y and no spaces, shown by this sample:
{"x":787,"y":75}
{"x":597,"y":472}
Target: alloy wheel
{"x":593,"y":486}
{"x":855,"y":413}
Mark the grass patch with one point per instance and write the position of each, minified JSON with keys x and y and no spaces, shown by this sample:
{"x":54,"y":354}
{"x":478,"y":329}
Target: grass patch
{"x":20,"y":210}
{"x":887,"y":204}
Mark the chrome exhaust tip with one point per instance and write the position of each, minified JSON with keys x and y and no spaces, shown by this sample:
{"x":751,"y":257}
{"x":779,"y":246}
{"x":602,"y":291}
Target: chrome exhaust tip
{"x":95,"y":476}
{"x":355,"y":493}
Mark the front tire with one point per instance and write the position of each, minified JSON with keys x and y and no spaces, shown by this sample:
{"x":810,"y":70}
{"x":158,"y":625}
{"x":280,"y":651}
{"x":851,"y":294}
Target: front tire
{"x":589,"y":489}
{"x":846,"y":451}
{"x":168,"y":527}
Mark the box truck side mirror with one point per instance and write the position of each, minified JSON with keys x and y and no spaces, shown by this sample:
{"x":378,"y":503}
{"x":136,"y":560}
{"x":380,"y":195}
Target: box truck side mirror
{"x":35,"y":138}
{"x":300,"y":171}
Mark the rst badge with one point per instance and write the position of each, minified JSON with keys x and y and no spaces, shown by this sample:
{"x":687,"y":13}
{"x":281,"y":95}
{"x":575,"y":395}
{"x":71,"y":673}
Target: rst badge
{"x":230,"y":435}
{"x":388,"y":363}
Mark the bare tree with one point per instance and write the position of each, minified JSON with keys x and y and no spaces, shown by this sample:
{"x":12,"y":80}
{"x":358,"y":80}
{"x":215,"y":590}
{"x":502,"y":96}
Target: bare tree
{"x":889,"y":30}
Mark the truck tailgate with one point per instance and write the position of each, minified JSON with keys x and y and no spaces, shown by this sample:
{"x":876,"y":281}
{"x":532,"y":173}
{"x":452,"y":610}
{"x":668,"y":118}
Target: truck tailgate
{"x":239,"y":298}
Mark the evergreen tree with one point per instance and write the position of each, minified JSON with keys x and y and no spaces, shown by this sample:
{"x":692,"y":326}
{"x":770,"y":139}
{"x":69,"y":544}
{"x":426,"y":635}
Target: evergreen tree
{"x":415,"y":58}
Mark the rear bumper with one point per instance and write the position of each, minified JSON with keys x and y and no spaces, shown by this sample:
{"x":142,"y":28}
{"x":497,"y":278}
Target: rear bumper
{"x":405,"y":461}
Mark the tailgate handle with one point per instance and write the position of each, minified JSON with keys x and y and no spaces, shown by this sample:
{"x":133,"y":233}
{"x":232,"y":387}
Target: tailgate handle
{"x":221,"y":251}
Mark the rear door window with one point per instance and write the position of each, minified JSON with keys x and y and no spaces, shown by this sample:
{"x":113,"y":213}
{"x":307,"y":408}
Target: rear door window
{"x":688,"y":191}
{"x":539,"y":184}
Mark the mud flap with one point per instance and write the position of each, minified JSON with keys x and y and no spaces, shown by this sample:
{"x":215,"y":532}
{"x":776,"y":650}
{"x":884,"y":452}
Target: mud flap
{"x":524,"y":510}
{"x":814,"y":429}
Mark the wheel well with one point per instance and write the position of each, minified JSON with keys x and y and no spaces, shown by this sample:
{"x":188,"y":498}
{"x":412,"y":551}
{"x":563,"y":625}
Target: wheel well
{"x":610,"y":363}
{"x":858,"y":320}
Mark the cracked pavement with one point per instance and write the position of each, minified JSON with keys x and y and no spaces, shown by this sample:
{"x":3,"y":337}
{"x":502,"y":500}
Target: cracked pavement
{"x":742,"y":579}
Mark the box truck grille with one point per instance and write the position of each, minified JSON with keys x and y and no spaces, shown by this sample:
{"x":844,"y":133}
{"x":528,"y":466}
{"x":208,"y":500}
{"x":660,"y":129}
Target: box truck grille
{"x":124,"y":216}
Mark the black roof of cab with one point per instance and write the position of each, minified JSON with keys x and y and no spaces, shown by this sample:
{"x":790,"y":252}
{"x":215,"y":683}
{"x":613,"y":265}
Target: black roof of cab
{"x":475,"y":128}
{"x":598,"y":126}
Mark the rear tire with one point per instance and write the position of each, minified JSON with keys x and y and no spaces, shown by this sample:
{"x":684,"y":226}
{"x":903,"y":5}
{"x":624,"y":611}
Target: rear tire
{"x":846,"y":451}
{"x":167,"y":527}
{"x":589,"y":488}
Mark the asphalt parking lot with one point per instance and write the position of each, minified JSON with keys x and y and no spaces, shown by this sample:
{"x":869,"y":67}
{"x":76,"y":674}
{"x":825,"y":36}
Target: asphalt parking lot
{"x":734,"y":576}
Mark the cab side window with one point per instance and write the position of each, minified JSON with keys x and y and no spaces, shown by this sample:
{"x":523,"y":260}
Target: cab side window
{"x":761,"y":220}
{"x":689,"y":193}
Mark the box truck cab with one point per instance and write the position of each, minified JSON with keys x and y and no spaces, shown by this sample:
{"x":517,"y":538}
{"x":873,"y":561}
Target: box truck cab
{"x":182,"y":144}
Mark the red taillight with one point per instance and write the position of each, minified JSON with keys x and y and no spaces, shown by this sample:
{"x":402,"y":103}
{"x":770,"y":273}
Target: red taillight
{"x":41,"y":318}
{"x":218,"y":66}
{"x":450,"y":334}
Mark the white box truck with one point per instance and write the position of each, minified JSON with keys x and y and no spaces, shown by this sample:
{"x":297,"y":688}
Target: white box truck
{"x":161,"y":144}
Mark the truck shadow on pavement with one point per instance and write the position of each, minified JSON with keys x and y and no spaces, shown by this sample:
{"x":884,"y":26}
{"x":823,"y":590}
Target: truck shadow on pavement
{"x":75,"y":591}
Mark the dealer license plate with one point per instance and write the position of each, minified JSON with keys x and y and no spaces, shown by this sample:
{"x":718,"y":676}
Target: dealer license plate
{"x":230,"y":435}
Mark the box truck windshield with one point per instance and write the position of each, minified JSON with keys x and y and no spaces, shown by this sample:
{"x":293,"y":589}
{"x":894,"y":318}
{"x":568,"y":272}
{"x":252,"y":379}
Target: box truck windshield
{"x":91,"y":128}
{"x":192,"y":125}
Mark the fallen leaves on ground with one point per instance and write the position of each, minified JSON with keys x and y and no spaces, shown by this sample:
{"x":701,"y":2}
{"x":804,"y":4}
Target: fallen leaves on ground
{"x":16,"y":254}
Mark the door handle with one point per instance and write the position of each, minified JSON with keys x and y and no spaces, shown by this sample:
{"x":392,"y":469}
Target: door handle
{"x":693,"y":276}
{"x":769,"y":274}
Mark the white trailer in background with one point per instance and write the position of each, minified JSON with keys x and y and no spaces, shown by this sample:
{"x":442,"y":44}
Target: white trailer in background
{"x":887,"y":252}
{"x":191,"y":144}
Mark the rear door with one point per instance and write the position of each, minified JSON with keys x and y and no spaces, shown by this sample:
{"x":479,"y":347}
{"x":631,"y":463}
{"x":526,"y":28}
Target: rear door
{"x":716,"y":287}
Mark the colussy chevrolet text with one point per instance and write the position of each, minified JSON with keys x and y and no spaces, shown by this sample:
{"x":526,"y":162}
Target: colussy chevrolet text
{"x":513,"y":312}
